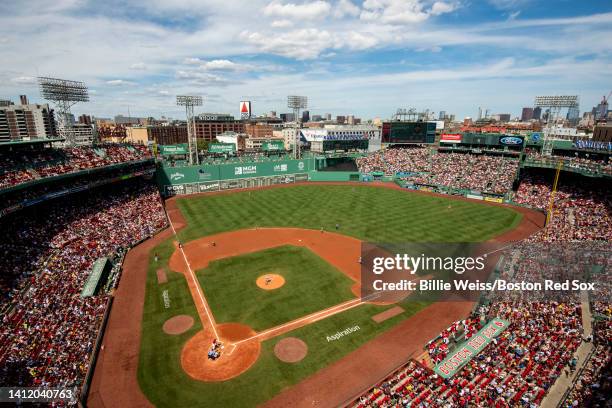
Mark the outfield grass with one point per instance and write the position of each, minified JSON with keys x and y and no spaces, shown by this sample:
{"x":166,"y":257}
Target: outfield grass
{"x":311,"y":285}
{"x":367,"y":213}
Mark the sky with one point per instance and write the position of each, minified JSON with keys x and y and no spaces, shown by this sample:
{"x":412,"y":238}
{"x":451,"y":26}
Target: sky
{"x":366,"y":58}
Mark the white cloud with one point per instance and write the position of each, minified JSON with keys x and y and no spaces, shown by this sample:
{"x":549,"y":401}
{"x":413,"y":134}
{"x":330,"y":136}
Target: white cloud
{"x":300,"y":44}
{"x":119,"y":82}
{"x":394,"y":11}
{"x":192,"y":61}
{"x":308,"y":11}
{"x":139,"y":66}
{"x":508,"y":4}
{"x":222,"y":65}
{"x":321,"y":34}
{"x":359,"y":41}
{"x":435,"y":48}
{"x":440,"y":7}
{"x":402,"y":12}
{"x":346,"y":8}
{"x":200,"y":78}
{"x":281,"y":24}
{"x":514,"y":15}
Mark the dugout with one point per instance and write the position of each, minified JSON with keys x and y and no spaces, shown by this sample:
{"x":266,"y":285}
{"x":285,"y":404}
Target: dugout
{"x":97,"y":277}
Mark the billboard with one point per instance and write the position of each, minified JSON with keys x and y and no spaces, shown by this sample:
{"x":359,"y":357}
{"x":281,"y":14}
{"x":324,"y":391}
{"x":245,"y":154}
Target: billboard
{"x":511,"y":140}
{"x":166,"y":150}
{"x":221,"y":148}
{"x":273,"y":146}
{"x":451,"y":137}
{"x":245,"y":109}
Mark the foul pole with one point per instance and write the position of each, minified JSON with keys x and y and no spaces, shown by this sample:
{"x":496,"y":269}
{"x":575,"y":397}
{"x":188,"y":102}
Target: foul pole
{"x":549,"y":214}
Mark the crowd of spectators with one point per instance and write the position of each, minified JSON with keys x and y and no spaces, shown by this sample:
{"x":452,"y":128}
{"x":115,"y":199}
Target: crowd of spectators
{"x":12,"y":200}
{"x":594,"y":383}
{"x":592,"y":164}
{"x":460,"y":330}
{"x":581,"y":211}
{"x":516,"y":369}
{"x":478,"y":172}
{"x":593,"y":386}
{"x":24,"y":165}
{"x":48,"y":330}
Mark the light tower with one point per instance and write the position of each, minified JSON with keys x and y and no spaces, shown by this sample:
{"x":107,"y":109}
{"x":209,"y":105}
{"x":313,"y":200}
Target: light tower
{"x":63,"y":93}
{"x":189,"y":101}
{"x":297,"y":103}
{"x":554,"y":103}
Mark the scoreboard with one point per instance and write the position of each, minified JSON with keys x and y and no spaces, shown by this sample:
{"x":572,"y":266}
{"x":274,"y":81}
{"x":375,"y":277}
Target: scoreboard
{"x":408,"y":132}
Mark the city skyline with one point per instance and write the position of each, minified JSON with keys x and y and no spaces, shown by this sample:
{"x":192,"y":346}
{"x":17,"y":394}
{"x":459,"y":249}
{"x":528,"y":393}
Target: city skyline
{"x":363,"y":58}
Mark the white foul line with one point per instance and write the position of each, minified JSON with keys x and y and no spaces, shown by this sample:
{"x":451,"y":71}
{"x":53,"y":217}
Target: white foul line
{"x":195,"y":281}
{"x":344,"y":305}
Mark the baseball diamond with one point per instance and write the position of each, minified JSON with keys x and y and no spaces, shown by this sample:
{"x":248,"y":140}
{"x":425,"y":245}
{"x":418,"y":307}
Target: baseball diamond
{"x":226,"y":246}
{"x":226,"y":289}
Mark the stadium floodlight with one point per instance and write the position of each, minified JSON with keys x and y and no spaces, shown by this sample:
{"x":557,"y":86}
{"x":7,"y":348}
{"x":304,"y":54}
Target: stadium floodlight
{"x":561,"y":101}
{"x":404,"y":114}
{"x":296,"y":103}
{"x":554,"y":104}
{"x":64,"y":94}
{"x":189,"y":101}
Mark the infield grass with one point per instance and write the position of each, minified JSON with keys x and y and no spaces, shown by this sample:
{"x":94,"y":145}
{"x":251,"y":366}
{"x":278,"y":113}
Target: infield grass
{"x":311,"y":285}
{"x":368,"y":213}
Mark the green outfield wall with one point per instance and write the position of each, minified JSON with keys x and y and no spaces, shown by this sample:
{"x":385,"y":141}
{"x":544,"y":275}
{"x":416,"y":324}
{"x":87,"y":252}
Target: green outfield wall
{"x":212,"y":177}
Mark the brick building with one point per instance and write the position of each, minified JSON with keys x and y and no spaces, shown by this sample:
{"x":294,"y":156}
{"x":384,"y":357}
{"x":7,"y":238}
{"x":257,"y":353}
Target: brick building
{"x":209,"y":125}
{"x":258,"y":130}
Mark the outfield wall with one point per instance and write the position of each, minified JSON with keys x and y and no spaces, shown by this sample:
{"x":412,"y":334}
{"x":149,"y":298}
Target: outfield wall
{"x":213,"y":177}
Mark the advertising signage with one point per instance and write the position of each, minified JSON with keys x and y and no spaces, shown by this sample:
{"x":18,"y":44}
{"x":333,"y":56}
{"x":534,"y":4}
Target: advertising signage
{"x":511,"y":140}
{"x":167,"y":150}
{"x":273,"y":146}
{"x":245,"y":109}
{"x":469,"y":349}
{"x":451,"y":137}
{"x":221,"y":148}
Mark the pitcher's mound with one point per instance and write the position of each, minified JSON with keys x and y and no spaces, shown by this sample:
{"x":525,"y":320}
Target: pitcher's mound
{"x":178,"y":324}
{"x":234,"y":360}
{"x":270,"y":281}
{"x":290,"y":350}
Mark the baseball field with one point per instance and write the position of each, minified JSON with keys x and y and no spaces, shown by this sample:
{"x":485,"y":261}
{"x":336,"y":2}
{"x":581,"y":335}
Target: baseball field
{"x":274,"y":274}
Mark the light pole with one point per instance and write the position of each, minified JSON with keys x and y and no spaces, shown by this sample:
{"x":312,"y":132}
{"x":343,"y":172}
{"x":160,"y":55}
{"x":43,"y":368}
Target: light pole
{"x":189,"y":101}
{"x":297,"y":103}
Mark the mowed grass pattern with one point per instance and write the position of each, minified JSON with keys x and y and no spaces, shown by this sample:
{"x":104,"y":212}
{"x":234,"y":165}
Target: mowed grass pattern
{"x":369,"y":213}
{"x":365,"y":212}
{"x":311,"y":285}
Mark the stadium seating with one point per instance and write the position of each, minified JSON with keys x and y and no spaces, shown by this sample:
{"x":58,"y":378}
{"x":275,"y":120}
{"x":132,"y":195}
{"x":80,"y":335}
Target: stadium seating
{"x":493,"y":174}
{"x":581,"y":211}
{"x":48,"y":331}
{"x":21,"y":166}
